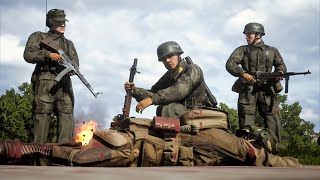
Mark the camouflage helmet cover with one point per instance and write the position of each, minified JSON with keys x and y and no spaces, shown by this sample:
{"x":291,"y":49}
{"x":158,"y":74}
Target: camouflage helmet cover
{"x":167,"y":48}
{"x":254,"y":27}
{"x":56,"y":15}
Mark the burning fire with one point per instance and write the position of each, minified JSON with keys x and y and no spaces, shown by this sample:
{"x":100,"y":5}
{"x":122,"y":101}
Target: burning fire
{"x":85,"y":132}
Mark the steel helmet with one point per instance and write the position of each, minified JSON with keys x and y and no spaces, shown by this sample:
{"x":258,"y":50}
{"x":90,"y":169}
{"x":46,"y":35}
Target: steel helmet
{"x":167,"y":48}
{"x":254,"y":27}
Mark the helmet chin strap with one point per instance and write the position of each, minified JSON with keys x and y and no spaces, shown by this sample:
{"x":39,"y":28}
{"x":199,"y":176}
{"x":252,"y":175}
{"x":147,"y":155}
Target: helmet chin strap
{"x":255,"y":38}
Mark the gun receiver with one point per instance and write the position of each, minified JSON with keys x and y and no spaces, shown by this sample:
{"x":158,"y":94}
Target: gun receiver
{"x":262,"y":77}
{"x":212,"y":99}
{"x":70,"y":66}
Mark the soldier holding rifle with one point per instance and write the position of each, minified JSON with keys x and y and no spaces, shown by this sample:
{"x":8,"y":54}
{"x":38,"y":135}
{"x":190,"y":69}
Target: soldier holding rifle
{"x":51,"y":97}
{"x":181,"y":88}
{"x":257,"y":85}
{"x":257,"y":56}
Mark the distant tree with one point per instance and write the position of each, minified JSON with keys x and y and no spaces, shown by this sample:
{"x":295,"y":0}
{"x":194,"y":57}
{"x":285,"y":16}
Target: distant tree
{"x":16,"y":115}
{"x":233,"y":117}
{"x":296,"y":134}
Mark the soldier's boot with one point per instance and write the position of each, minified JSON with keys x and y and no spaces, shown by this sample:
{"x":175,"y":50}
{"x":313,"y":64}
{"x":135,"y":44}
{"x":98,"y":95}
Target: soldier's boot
{"x":41,"y":127}
{"x":65,"y":127}
{"x":10,"y":150}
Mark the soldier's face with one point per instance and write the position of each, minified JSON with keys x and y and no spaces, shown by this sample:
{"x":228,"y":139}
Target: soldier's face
{"x":171,"y":61}
{"x":59,"y":26}
{"x":250,"y":37}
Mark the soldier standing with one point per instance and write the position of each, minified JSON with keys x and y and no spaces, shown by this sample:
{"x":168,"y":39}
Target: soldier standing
{"x":180,"y":88}
{"x":245,"y":61}
{"x":51,"y":97}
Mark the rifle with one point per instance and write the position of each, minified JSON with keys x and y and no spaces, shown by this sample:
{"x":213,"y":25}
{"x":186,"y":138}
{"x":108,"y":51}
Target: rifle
{"x":70,"y":66}
{"x":128,"y":97}
{"x":212,"y":99}
{"x":261,"y":77}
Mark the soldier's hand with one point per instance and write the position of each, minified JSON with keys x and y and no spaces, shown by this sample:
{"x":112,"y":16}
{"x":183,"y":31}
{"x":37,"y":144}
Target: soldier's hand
{"x":143,"y":104}
{"x":129,"y":86}
{"x":280,"y":77}
{"x":55,"y":57}
{"x":71,"y":73}
{"x":248,"y":78}
{"x":194,"y":128}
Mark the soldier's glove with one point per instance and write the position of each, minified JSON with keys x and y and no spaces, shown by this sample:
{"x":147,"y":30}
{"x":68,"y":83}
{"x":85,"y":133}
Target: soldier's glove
{"x":248,"y":78}
{"x":143,"y":104}
{"x":129,"y":86}
{"x":194,"y":128}
{"x":55,"y":57}
{"x":185,"y":128}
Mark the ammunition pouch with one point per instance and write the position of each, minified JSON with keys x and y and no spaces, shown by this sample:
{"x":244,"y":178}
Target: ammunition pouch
{"x":171,"y":152}
{"x":206,"y":118}
{"x":238,"y":85}
{"x":186,"y":156}
{"x":150,"y":150}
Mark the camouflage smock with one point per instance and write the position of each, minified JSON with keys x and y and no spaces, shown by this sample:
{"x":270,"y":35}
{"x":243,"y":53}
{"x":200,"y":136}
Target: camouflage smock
{"x":177,"y":86}
{"x":259,"y":57}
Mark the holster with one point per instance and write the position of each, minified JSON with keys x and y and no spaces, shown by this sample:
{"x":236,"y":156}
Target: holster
{"x":277,"y":86}
{"x":238,"y":85}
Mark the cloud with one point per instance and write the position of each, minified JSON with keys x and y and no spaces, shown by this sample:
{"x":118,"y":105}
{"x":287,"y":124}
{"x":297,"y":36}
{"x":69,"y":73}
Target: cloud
{"x":236,"y":22}
{"x":11,"y":52}
{"x":311,"y":115}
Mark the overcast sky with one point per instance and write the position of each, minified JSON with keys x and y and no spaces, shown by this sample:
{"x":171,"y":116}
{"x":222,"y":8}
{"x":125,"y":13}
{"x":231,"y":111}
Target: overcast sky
{"x":108,"y":35}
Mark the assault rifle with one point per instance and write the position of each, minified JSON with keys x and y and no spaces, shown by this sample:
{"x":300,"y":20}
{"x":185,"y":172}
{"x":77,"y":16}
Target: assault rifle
{"x":128,"y":97}
{"x":262,"y":77}
{"x":70,"y":66}
{"x":212,"y":99}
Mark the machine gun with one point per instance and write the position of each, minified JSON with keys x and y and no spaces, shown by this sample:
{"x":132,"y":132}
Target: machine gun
{"x":70,"y":66}
{"x":262,"y":77}
{"x":212,"y":99}
{"x":128,"y":97}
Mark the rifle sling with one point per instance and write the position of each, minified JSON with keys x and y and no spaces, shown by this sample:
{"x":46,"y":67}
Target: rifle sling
{"x":61,"y":74}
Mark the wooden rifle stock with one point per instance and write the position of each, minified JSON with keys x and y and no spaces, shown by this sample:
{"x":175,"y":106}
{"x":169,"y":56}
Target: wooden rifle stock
{"x":128,"y":97}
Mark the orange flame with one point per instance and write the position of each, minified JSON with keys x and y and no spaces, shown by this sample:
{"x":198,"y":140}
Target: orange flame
{"x":85,"y":132}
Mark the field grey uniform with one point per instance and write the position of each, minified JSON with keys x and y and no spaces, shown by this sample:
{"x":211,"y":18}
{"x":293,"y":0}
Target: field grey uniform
{"x":249,"y":59}
{"x":49,"y":96}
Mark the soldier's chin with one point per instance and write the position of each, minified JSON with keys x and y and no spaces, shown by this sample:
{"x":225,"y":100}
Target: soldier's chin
{"x":61,"y":31}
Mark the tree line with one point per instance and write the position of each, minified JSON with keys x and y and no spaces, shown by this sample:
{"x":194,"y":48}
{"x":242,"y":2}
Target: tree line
{"x":298,"y":136}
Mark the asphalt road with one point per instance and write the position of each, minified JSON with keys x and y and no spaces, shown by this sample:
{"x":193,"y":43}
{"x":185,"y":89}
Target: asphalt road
{"x":157,"y":173}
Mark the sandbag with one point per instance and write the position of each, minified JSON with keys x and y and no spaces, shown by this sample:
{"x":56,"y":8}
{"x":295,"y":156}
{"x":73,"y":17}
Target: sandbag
{"x":136,"y":124}
{"x":206,"y":118}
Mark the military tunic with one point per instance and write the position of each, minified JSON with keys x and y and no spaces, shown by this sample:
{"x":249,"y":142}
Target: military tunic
{"x":50,"y":96}
{"x":249,"y":59}
{"x":176,"y":91}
